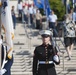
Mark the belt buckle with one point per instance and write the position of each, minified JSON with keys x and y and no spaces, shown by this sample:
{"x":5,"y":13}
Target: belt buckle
{"x":47,"y":62}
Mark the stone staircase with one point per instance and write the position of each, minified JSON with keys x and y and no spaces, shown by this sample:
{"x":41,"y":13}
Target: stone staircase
{"x":24,"y":43}
{"x":22,"y":62}
{"x":69,"y":67}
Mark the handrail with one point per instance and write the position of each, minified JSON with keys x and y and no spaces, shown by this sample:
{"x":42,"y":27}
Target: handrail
{"x":57,"y":47}
{"x":55,"y":44}
{"x":29,"y":44}
{"x":59,"y":37}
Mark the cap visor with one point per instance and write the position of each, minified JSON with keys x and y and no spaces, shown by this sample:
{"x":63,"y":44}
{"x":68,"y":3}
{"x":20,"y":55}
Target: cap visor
{"x":45,"y":35}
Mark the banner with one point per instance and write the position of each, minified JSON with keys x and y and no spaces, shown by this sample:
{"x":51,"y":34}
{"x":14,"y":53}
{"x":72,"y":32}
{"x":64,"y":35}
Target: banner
{"x":47,"y":7}
{"x":44,"y":4}
{"x":39,"y":3}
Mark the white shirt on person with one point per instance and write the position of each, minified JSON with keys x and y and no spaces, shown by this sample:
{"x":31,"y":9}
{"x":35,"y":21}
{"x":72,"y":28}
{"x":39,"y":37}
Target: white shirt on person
{"x":74,"y":16}
{"x":34,"y":10}
{"x":25,"y":11}
{"x":31,"y":10}
{"x":20,"y":6}
{"x":52,"y":18}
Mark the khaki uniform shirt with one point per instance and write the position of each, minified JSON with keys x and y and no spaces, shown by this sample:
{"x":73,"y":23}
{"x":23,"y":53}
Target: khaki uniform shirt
{"x":38,"y":16}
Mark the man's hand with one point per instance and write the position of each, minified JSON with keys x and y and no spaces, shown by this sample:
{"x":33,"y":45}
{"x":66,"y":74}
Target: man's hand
{"x":2,"y":71}
{"x":56,"y":58}
{"x":9,"y":55}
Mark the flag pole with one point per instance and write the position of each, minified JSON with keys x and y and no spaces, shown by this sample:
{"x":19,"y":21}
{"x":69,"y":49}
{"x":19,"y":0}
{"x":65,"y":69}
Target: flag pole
{"x":46,"y":14}
{"x":67,"y":2}
{"x":0,"y":34}
{"x":73,"y":4}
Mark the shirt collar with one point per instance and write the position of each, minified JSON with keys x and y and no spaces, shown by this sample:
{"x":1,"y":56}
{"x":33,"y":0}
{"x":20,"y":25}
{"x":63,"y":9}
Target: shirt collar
{"x":45,"y":45}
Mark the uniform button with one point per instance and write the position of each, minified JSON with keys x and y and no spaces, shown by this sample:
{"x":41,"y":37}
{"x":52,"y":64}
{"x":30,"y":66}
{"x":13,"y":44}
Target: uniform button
{"x":46,"y":49}
{"x":46,"y":57}
{"x":47,"y":62}
{"x":46,"y":52}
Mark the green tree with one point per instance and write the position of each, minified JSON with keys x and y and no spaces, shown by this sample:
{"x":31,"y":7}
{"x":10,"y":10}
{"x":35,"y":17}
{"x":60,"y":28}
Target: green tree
{"x":58,"y":8}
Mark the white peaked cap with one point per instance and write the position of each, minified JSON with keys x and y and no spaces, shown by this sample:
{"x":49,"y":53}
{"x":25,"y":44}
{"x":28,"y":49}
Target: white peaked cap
{"x":46,"y":32}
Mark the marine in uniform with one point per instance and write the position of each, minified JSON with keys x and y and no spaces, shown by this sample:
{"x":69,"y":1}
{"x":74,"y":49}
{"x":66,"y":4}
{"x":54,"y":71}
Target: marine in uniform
{"x":45,"y":55}
{"x":6,"y":70}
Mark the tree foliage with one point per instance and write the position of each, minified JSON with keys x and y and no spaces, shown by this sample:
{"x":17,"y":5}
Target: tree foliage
{"x":58,"y":8}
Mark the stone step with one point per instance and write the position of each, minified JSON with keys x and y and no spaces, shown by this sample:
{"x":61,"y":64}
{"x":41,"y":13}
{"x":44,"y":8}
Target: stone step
{"x":20,"y":47}
{"x":59,"y":73}
{"x":68,"y":72}
{"x":23,"y":53}
{"x":65,"y":68}
{"x":57,"y":69}
{"x":16,"y":53}
{"x":21,"y":73}
{"x":13,"y":67}
{"x":21,"y":58}
{"x":19,"y":63}
{"x":30,"y":60}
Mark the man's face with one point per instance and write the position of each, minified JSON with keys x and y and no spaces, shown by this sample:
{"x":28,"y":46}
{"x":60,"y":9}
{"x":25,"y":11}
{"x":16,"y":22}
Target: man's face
{"x":46,"y":40}
{"x":71,"y":10}
{"x":52,"y":12}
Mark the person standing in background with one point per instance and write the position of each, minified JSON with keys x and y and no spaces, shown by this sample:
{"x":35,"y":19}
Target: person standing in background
{"x":25,"y":14}
{"x":72,"y":15}
{"x":69,"y":33}
{"x":13,"y":16}
{"x":53,"y":21}
{"x":20,"y":8}
{"x":34,"y":15}
{"x":38,"y":19}
{"x":31,"y":12}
